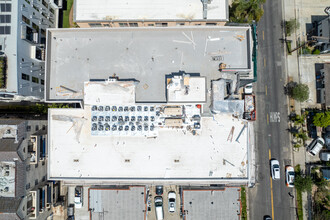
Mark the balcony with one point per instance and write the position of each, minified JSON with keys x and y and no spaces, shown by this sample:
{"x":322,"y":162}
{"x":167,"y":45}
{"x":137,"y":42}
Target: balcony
{"x":29,"y":34}
{"x":33,"y":150}
{"x":31,"y":205}
{"x":38,"y":53}
{"x":37,"y":148}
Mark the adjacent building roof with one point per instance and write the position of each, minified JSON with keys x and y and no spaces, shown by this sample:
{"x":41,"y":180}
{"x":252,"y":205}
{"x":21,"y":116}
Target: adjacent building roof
{"x":123,"y":204}
{"x":212,"y":204}
{"x":149,"y":55}
{"x":9,"y":208}
{"x":327,"y":83}
{"x":144,"y":10}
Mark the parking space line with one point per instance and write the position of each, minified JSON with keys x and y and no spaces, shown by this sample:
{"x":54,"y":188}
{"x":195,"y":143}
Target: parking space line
{"x":266,"y":89}
{"x":267,"y":119}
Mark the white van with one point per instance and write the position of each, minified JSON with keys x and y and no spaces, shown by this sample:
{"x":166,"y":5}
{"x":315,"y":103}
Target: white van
{"x":159,"y":208}
{"x":316,"y":145}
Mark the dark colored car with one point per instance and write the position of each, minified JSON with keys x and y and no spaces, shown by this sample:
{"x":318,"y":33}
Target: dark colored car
{"x":267,"y":217}
{"x":159,"y":190}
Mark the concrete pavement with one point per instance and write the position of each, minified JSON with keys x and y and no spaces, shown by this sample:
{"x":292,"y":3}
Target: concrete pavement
{"x":299,"y":67}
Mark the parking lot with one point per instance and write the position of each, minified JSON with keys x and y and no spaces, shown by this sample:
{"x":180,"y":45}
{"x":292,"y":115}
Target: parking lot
{"x":167,"y":215}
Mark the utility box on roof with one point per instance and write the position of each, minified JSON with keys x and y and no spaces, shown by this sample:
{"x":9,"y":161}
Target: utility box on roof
{"x":175,"y":110}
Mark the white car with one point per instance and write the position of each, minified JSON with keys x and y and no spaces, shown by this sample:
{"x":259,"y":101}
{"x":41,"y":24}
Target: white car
{"x":275,"y":169}
{"x":289,"y":176}
{"x":171,"y":201}
{"x":248,"y":89}
{"x":316,"y":146}
{"x":78,"y":197}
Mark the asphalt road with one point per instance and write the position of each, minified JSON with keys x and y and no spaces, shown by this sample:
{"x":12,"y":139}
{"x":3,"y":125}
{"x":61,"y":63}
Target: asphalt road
{"x":271,"y":197}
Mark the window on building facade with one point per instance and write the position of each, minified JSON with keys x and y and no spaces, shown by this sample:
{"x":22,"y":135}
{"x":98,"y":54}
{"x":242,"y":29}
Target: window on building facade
{"x":45,"y":3}
{"x":151,"y":25}
{"x":95,"y":24}
{"x":161,"y":24}
{"x":4,"y":29}
{"x":133,"y":25}
{"x":106,"y":25}
{"x":36,"y":182}
{"x":25,"y":77}
{"x":211,"y":24}
{"x":27,"y":186}
{"x":28,"y":128}
{"x":179,"y":23}
{"x":36,"y":27}
{"x":42,"y":82}
{"x":35,"y":79}
{"x":5,"y":18}
{"x":37,"y":127}
{"x":123,"y":24}
{"x":5,"y":7}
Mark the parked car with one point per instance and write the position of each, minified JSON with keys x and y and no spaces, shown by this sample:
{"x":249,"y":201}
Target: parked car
{"x":275,"y":169}
{"x":248,"y":89}
{"x":159,"y":207}
{"x":171,"y":201}
{"x":159,"y":190}
{"x":289,"y":176}
{"x":78,"y":200}
{"x":316,"y":145}
{"x":267,"y":217}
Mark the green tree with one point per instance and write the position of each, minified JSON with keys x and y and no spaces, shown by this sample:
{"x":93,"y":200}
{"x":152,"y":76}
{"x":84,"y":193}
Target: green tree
{"x":299,"y":92}
{"x":291,"y":26}
{"x":303,"y":183}
{"x":243,"y":11}
{"x":322,"y":119}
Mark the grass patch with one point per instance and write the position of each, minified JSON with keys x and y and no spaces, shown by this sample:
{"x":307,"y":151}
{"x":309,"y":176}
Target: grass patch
{"x":299,"y":197}
{"x":66,"y":14}
{"x":299,"y":205}
{"x":288,"y":47}
{"x":243,"y":203}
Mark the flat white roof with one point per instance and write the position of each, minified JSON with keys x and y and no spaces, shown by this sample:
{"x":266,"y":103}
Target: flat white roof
{"x":102,"y":10}
{"x":149,"y":55}
{"x":75,"y":154}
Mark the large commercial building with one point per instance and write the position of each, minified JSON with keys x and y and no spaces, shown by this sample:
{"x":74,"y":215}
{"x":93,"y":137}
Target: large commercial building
{"x":158,"y":105}
{"x":146,"y":13}
{"x":24,"y":190}
{"x":23,"y":27}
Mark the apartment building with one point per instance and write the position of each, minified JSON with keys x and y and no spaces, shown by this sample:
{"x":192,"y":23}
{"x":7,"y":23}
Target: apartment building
{"x":25,"y":192}
{"x":146,"y":13}
{"x":23,"y":25}
{"x":323,"y":35}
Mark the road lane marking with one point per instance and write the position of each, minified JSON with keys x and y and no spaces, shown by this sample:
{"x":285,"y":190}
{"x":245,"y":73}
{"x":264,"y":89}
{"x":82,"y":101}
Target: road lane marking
{"x":264,"y":61}
{"x":275,"y":117}
{"x":271,"y":188}
{"x":267,"y":119}
{"x":266,"y":89}
{"x":263,"y":35}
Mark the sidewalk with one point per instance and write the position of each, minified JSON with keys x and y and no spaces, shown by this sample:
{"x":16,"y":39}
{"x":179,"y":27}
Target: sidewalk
{"x":302,"y":11}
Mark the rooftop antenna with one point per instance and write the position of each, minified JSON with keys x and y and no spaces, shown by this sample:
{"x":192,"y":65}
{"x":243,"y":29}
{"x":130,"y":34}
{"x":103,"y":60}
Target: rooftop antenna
{"x":205,"y":2}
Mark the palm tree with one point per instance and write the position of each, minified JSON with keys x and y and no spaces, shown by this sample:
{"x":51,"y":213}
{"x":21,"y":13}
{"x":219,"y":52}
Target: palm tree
{"x":245,"y":11}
